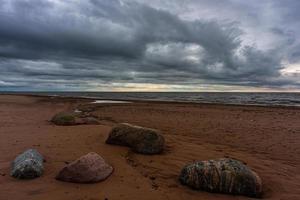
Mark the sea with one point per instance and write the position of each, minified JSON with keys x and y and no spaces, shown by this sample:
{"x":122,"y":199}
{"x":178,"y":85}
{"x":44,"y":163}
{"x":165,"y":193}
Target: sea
{"x":235,"y":98}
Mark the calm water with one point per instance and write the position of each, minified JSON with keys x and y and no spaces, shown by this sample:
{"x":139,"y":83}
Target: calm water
{"x":282,"y":99}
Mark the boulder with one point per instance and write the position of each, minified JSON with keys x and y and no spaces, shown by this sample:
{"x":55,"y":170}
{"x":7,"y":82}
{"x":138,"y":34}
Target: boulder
{"x":73,"y":118}
{"x":64,"y":119}
{"x":141,"y":140}
{"x":222,"y":176}
{"x":28,"y":165}
{"x":90,"y":168}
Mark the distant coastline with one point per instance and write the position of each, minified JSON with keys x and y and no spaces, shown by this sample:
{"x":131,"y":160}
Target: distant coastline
{"x":226,"y":98}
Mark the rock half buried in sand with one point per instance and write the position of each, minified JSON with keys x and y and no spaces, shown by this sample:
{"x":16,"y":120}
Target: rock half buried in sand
{"x":28,"y":165}
{"x":222,"y":176}
{"x":140,"y":139}
{"x":88,"y":121}
{"x":73,"y":118}
{"x":90,"y":168}
{"x":64,"y":119}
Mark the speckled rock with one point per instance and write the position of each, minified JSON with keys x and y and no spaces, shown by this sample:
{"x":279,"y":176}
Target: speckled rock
{"x":28,"y":165}
{"x":90,"y":168}
{"x":141,"y":140}
{"x":222,"y":176}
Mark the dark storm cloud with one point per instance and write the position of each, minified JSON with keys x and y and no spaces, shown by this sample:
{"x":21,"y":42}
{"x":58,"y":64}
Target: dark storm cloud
{"x":83,"y":44}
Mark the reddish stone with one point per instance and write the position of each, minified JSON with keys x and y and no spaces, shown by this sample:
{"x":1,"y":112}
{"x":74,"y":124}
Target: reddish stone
{"x":89,"y":168}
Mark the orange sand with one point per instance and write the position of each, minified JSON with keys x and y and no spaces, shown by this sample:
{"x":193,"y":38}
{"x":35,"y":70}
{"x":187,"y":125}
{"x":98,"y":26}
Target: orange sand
{"x":267,"y":139}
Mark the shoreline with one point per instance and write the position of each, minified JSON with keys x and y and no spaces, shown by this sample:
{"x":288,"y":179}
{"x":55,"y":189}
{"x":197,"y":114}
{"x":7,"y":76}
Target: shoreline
{"x":157,"y":101}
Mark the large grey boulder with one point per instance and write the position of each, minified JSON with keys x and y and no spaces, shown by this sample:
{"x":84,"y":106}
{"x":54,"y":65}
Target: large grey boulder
{"x":28,"y":165}
{"x":90,"y":168}
{"x":222,"y":176}
{"x":140,"y":139}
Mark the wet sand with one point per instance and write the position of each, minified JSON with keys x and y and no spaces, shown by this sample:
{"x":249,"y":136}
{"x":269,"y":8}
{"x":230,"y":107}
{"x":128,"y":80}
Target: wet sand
{"x":267,"y":139}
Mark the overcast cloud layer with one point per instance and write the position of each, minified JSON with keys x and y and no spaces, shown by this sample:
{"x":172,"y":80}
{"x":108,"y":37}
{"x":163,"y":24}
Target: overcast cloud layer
{"x":149,"y":45}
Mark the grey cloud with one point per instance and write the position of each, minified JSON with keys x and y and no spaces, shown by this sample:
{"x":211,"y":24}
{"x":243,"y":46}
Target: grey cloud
{"x":85,"y":43}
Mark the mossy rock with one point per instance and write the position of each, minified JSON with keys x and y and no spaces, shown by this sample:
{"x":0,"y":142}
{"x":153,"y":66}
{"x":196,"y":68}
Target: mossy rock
{"x":64,"y":119}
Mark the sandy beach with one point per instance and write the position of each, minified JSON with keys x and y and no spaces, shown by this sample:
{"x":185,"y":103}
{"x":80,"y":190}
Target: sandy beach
{"x":266,"y":138}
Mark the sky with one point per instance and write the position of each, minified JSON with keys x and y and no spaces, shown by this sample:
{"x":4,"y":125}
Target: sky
{"x":157,"y":45}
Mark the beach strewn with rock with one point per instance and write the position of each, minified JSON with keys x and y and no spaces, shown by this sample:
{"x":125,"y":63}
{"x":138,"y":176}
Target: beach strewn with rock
{"x":263,"y":139}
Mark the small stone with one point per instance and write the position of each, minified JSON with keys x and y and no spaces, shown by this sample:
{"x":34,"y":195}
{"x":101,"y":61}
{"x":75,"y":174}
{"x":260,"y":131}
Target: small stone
{"x":154,"y":186}
{"x":90,"y":168}
{"x":28,"y":165}
{"x":222,"y":176}
{"x":140,"y":139}
{"x":90,"y":121}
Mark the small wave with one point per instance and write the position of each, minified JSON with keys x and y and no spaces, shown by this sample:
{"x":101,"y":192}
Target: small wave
{"x":110,"y":101}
